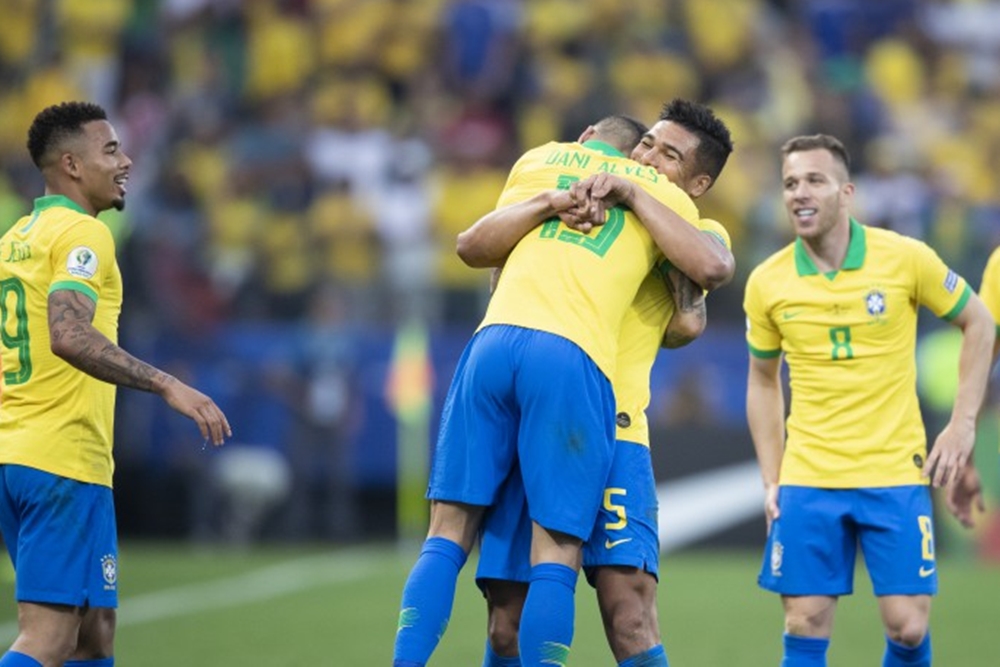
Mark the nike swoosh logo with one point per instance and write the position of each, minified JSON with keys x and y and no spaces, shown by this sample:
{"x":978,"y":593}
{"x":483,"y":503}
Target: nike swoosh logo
{"x":926,"y":572}
{"x":791,"y":315}
{"x":608,"y":544}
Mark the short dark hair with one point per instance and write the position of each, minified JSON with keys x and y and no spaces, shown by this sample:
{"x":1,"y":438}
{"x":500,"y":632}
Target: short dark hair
{"x":715,"y":142}
{"x":56,"y":123}
{"x":624,"y":132}
{"x":814,"y":142}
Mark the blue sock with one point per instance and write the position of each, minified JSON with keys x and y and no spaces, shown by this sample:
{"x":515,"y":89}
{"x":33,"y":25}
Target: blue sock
{"x":427,"y":599}
{"x":897,"y":655}
{"x":654,"y":657}
{"x":102,"y":662}
{"x":805,"y":651}
{"x":15,"y":659}
{"x":491,"y":659}
{"x":547,"y":619}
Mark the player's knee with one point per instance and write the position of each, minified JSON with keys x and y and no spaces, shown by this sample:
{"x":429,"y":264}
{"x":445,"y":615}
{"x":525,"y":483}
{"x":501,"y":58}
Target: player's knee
{"x":805,"y":623}
{"x":505,"y":602}
{"x":910,"y":632}
{"x":630,"y":619}
{"x":503,"y":633}
{"x":97,"y":635}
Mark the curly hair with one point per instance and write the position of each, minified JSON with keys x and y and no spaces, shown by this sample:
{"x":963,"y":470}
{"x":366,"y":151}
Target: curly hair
{"x":54,"y":124}
{"x":715,"y":143}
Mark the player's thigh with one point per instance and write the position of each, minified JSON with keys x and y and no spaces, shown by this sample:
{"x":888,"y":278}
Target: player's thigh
{"x":477,"y":439}
{"x":566,"y":435}
{"x":505,"y":538}
{"x":896,"y":534}
{"x":812,"y":545}
{"x":626,"y":532}
{"x":67,"y":546}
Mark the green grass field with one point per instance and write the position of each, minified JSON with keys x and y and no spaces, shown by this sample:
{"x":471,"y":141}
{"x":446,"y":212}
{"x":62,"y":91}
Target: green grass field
{"x":284,"y":607}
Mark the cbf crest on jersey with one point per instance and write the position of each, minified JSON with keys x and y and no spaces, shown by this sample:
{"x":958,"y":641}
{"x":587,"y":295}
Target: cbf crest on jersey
{"x":875,"y":303}
{"x":82,"y":262}
{"x":109,"y":569}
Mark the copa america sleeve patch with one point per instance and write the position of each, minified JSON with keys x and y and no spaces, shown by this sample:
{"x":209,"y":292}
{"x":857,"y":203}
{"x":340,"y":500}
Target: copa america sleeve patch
{"x":82,"y":262}
{"x":951,"y":281}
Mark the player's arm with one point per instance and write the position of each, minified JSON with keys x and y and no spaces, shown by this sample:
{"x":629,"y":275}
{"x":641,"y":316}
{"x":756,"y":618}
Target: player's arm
{"x":705,"y":261}
{"x":491,"y":238}
{"x":953,"y":447}
{"x":766,"y":417}
{"x":690,"y":312}
{"x":75,"y":340}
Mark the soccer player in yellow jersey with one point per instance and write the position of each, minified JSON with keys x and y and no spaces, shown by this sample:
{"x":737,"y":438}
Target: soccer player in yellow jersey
{"x":532,"y":389}
{"x":621,"y":557}
{"x":60,"y":297}
{"x":850,"y":466}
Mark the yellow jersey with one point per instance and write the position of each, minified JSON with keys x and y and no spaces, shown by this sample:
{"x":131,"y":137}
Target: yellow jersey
{"x":849,"y":339}
{"x":639,"y":342}
{"x":54,"y":417}
{"x":989,"y":289}
{"x":576,"y":285}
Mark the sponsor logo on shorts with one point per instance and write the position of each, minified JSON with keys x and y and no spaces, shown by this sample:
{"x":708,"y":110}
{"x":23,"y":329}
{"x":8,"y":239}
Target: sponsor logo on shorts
{"x":926,"y":571}
{"x":777,"y":553}
{"x":623,"y":420}
{"x":109,"y":568}
{"x":608,"y":544}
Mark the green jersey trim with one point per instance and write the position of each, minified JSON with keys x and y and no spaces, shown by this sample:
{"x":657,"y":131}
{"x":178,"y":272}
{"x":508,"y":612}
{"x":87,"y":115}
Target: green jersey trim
{"x":763,"y":354}
{"x":856,"y":250}
{"x":51,"y":201}
{"x":75,"y":286}
{"x":602,"y":147}
{"x":964,"y":299}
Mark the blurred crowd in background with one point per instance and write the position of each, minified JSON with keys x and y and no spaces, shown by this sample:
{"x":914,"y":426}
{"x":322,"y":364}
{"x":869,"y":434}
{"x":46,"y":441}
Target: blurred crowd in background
{"x":301,"y":169}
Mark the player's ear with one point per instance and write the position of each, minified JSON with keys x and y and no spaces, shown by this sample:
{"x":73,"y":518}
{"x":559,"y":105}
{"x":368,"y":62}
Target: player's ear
{"x":69,"y":164}
{"x":699,"y":185}
{"x":587,"y":135}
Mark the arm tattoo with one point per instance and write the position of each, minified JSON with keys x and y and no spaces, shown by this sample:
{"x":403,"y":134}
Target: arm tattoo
{"x":689,"y":299}
{"x":689,"y":296}
{"x":82,"y":346}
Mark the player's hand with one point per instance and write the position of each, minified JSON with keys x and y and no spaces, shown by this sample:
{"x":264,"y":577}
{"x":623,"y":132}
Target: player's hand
{"x":965,"y":493}
{"x":771,"y":509}
{"x":609,"y":189}
{"x":586,"y":209}
{"x":192,"y":403}
{"x":951,"y":453}
{"x":582,"y":218}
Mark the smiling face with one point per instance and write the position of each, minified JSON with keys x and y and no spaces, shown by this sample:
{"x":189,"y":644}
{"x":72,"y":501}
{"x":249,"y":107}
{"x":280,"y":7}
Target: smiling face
{"x":672,"y":149}
{"x":817,"y":192}
{"x":95,"y":161}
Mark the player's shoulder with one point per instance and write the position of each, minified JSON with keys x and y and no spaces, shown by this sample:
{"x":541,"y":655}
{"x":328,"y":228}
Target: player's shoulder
{"x":889,"y":242}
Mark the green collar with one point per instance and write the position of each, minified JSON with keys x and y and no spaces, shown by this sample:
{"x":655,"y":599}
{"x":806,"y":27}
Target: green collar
{"x":854,"y":259}
{"x":602,"y":147}
{"x":51,"y":201}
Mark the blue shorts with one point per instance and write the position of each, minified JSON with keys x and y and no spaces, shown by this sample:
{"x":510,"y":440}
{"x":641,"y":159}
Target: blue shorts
{"x":624,"y":534}
{"x":535,"y":401}
{"x":61,"y":537}
{"x":813,"y":544}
